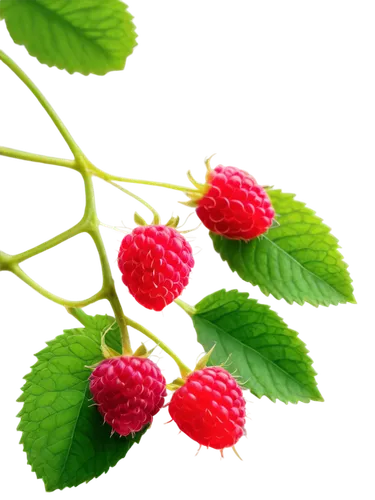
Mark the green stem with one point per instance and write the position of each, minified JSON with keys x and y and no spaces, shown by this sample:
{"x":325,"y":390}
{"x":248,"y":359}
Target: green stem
{"x":184,"y":370}
{"x":47,"y":245}
{"x":17,"y":271}
{"x":156,"y":219}
{"x":108,"y":177}
{"x":122,"y":323}
{"x":190,"y":310}
{"x":48,"y":160}
{"x":43,"y":101}
{"x":108,"y":283}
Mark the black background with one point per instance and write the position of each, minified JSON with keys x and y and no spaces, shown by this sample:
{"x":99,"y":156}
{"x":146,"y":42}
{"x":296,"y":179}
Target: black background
{"x":265,"y":86}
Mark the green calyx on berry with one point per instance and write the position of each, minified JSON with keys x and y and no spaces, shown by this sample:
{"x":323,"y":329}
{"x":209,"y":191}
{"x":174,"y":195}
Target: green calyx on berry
{"x":201,"y":187}
{"x":143,"y":352}
{"x":139,"y":219}
{"x":176,"y":384}
{"x":202,"y":363}
{"x":173,"y":222}
{"x":108,"y":352}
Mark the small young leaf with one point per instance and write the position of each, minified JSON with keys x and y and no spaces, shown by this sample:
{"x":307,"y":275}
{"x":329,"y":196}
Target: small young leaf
{"x":62,"y":431}
{"x":298,"y":260}
{"x":86,"y":36}
{"x":254,"y":343}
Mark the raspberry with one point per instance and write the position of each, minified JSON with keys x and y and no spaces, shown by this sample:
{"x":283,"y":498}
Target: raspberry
{"x":235,"y":206}
{"x":129,"y":391}
{"x":155,"y":262}
{"x":210,"y":408}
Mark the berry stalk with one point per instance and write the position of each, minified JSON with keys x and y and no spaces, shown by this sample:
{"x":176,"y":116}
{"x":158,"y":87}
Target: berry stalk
{"x":156,"y":219}
{"x":108,"y":178}
{"x":184,"y":370}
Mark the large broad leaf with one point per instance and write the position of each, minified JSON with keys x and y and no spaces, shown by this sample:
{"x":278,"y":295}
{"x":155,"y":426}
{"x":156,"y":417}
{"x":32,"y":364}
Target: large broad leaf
{"x":297,"y":261}
{"x":87,"y":36}
{"x":62,"y":431}
{"x":255,"y":344}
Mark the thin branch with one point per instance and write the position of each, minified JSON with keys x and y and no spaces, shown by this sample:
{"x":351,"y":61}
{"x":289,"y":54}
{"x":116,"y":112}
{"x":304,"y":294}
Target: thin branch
{"x":48,"y":160}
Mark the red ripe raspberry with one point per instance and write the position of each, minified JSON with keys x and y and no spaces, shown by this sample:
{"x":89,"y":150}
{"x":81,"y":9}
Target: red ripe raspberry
{"x":235,"y":206}
{"x":155,"y":262}
{"x":210,"y":408}
{"x":129,"y":391}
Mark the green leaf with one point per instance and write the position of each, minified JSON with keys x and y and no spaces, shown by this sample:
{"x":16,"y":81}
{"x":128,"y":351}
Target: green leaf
{"x":62,"y":431}
{"x":254,"y":343}
{"x":86,"y":36}
{"x":298,"y":260}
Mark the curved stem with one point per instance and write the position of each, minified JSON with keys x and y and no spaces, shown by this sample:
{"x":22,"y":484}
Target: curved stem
{"x":190,"y":310}
{"x":156,"y":219}
{"x":48,"y":160}
{"x":184,"y":370}
{"x":43,"y":101}
{"x":47,"y":245}
{"x":17,"y":271}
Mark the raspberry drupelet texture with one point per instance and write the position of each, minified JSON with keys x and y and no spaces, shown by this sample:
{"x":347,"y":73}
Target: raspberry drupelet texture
{"x":210,"y":408}
{"x":129,"y":391}
{"x":235,"y":206}
{"x":155,"y":262}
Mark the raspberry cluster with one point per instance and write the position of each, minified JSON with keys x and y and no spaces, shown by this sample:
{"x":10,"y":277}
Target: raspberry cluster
{"x":155,"y":262}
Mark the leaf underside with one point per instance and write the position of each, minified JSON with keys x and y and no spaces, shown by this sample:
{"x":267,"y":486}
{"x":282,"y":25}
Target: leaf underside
{"x":254,"y":343}
{"x":62,"y":431}
{"x":297,"y":261}
{"x":86,"y":36}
